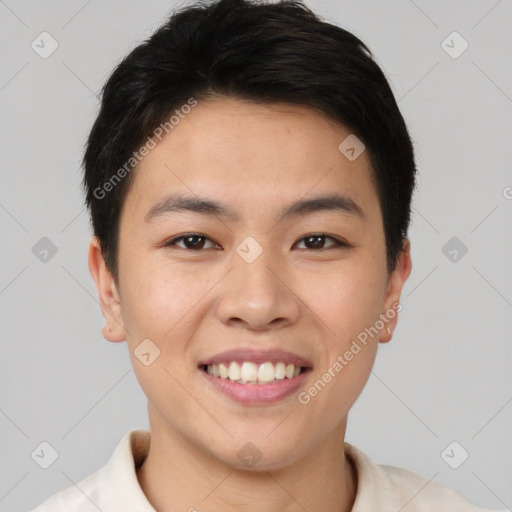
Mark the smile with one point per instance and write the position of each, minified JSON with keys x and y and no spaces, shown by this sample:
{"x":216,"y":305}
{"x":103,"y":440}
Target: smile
{"x":249,"y":373}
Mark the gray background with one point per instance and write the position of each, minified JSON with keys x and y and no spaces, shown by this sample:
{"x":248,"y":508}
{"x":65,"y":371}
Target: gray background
{"x":446,"y":374}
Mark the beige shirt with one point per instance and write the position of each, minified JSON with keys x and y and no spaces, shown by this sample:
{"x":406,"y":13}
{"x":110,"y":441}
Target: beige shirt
{"x":115,"y":488}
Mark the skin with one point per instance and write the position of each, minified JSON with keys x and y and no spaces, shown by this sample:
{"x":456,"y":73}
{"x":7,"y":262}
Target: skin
{"x":192,"y":304}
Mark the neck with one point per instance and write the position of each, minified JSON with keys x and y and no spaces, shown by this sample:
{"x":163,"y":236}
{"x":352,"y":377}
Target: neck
{"x":178,"y":475}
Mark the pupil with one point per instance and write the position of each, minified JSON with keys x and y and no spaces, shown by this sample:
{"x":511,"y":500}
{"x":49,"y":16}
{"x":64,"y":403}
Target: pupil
{"x":188,"y":240}
{"x":316,"y":237}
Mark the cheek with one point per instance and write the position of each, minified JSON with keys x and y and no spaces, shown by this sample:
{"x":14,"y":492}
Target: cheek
{"x":157,"y":294}
{"x":158,"y":305}
{"x":347,"y":299}
{"x":347,"y":308}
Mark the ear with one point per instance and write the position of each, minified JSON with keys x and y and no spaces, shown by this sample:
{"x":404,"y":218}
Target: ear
{"x":110,"y":299}
{"x":396,"y":282}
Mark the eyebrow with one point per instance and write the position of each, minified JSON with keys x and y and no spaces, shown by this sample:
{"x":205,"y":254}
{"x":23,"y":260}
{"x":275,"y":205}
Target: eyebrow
{"x":181,"y":203}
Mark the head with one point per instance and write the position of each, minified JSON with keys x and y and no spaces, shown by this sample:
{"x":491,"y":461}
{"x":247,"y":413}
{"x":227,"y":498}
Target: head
{"x":250,"y":108}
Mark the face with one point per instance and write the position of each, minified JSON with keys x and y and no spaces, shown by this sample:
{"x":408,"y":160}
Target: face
{"x":251,"y":279}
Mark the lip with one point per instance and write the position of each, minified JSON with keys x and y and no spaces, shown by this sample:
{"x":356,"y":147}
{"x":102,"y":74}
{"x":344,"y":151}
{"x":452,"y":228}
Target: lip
{"x":257,"y":394}
{"x":257,"y":357}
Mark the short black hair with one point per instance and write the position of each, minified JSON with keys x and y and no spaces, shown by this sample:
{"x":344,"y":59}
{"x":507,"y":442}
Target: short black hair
{"x":261,"y":52}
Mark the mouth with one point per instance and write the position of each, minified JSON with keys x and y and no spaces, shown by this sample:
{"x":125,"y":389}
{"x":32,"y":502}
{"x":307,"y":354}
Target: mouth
{"x":253,"y":378}
{"x":250,"y":373}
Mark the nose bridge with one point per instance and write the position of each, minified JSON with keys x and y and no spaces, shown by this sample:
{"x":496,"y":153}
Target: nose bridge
{"x":255,"y":292}
{"x":253,"y":267}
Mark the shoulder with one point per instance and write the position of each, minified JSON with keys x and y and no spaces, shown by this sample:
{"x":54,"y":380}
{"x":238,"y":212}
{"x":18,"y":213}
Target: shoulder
{"x":425,"y":495}
{"x":389,"y":488}
{"x":112,"y":487}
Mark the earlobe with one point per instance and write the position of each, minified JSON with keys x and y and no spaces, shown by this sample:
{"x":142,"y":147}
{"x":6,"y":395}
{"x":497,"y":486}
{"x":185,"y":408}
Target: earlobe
{"x":108,"y":294}
{"x":396,"y":282}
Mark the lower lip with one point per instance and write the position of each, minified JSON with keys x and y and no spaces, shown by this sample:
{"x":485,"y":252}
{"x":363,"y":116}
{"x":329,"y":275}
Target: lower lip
{"x":257,"y":394}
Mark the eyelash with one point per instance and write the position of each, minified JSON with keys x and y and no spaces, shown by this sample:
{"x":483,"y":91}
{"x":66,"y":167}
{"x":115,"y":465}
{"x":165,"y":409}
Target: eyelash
{"x":338,"y":243}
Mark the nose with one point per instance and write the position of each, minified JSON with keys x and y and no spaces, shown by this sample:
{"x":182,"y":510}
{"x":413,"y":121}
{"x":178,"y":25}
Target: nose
{"x":257,"y":295}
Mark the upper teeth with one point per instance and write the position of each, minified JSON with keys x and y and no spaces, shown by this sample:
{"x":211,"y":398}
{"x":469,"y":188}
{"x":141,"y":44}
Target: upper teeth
{"x":252,"y":373}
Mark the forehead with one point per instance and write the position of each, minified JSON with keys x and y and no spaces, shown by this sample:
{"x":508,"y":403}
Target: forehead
{"x":253,"y":156}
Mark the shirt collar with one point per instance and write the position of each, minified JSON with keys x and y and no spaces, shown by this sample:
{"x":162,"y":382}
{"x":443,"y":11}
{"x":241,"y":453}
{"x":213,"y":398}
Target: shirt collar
{"x":120,"y":484}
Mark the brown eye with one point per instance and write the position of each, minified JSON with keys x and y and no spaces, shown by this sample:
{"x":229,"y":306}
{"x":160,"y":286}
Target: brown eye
{"x":191,"y":241}
{"x":317,"y":241}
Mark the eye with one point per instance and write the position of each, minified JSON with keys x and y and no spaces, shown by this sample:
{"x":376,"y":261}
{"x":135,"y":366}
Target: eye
{"x":317,"y":241}
{"x":193,"y":241}
{"x":197,"y":241}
